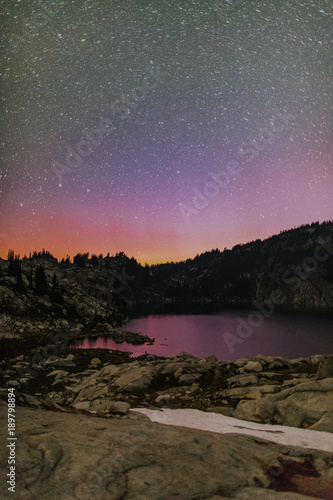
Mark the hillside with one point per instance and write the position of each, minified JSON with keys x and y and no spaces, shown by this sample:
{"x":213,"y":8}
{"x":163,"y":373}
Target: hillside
{"x":40,"y":292}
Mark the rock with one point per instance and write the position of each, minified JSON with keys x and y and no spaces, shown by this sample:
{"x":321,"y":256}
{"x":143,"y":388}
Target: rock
{"x":242,"y":380}
{"x":135,"y":415}
{"x":109,"y":371}
{"x":325,"y":424}
{"x":279,"y":365}
{"x":13,"y":383}
{"x":268,"y":389}
{"x":204,"y":368}
{"x":95,"y":361}
{"x":292,"y":382}
{"x":300,"y":406}
{"x":163,"y":400}
{"x":253,"y":366}
{"x":92,"y":392}
{"x":82,"y":405}
{"x":304,"y":408}
{"x":136,"y":379}
{"x":103,"y":405}
{"x":59,"y":362}
{"x":228,"y":411}
{"x":173,"y":367}
{"x":325,"y":369}
{"x":188,"y":378}
{"x":58,"y":374}
{"x":212,"y":359}
{"x":325,"y":385}
{"x":256,"y":411}
{"x":186,"y":355}
{"x":119,"y":408}
{"x":29,"y":400}
{"x":150,"y":357}
{"x":67,"y":456}
{"x":242,"y":392}
{"x":18,"y":358}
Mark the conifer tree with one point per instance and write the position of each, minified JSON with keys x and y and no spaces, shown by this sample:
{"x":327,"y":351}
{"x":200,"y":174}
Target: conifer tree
{"x":41,"y":283}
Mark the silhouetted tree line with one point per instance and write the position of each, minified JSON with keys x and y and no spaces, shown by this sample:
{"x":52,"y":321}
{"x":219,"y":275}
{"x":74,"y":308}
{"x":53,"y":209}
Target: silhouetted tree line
{"x":229,"y":275}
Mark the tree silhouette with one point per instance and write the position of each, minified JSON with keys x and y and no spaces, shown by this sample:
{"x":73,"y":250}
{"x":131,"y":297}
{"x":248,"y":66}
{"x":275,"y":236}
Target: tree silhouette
{"x":19,"y":285}
{"x":94,"y":260}
{"x":55,"y":294}
{"x":81,"y":259}
{"x":13,"y":263}
{"x":41,"y":283}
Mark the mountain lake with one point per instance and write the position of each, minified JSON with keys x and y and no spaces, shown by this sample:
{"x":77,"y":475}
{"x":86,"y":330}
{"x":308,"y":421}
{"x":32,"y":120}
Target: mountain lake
{"x":229,"y":335}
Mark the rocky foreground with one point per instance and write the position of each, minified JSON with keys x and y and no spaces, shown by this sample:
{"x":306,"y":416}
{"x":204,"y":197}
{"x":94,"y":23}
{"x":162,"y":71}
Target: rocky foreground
{"x":79,"y":457}
{"x":270,"y":390}
{"x":94,"y":443}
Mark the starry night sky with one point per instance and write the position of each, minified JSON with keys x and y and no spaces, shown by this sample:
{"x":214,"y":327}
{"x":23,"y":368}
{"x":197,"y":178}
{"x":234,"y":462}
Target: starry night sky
{"x":213,"y":119}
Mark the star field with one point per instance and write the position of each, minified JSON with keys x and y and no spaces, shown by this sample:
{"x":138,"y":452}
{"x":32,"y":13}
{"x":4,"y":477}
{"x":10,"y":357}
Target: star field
{"x":116,"y":116}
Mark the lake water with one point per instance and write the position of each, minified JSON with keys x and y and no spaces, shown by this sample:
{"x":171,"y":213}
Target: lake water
{"x":290,"y":335}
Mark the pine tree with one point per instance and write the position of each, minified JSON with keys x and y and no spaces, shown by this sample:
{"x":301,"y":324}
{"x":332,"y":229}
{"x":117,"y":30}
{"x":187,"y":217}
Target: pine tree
{"x":41,"y":283}
{"x":19,"y":285}
{"x":13,"y":263}
{"x":55,"y":294}
{"x":94,"y":260}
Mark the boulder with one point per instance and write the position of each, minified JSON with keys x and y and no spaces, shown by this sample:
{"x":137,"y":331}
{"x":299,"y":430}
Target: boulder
{"x":59,"y":362}
{"x":82,"y":405}
{"x":325,"y":369}
{"x":58,"y":374}
{"x":242,"y":380}
{"x":136,"y":379}
{"x":212,"y":359}
{"x":253,"y":366}
{"x":228,"y":411}
{"x":279,"y":365}
{"x":172,"y":367}
{"x":109,"y":371}
{"x":242,"y":392}
{"x":92,"y":392}
{"x":304,"y":408}
{"x":188,"y":378}
{"x":186,"y":355}
{"x":69,"y":456}
{"x":262,"y":410}
{"x":119,"y":408}
{"x":163,"y":399}
{"x":300,"y":406}
{"x":95,"y":361}
{"x":325,"y":424}
{"x":103,"y":405}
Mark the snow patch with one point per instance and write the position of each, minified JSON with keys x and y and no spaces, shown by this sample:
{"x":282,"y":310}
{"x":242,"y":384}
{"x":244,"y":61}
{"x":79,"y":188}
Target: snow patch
{"x":214,"y":422}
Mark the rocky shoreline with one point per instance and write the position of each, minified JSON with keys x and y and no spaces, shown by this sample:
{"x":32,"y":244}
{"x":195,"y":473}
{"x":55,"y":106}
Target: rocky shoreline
{"x":261,"y":389}
{"x":98,"y":399}
{"x":118,"y":336}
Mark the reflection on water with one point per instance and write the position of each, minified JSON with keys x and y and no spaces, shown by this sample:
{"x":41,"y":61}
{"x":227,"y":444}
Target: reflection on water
{"x":284,"y":334}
